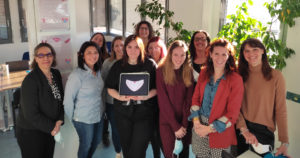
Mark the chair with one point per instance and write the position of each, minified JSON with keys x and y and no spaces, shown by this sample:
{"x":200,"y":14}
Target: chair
{"x":25,"y":56}
{"x":18,"y":65}
{"x":15,"y":106}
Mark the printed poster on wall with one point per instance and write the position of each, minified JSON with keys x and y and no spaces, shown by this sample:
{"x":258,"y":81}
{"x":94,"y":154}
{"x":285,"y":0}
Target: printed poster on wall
{"x":54,"y":15}
{"x":62,"y":47}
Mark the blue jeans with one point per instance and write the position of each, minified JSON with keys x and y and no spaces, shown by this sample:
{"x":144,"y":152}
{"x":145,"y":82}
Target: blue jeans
{"x":115,"y":134}
{"x":90,"y":136}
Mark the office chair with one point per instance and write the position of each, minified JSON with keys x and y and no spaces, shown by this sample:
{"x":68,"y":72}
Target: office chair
{"x":25,"y":56}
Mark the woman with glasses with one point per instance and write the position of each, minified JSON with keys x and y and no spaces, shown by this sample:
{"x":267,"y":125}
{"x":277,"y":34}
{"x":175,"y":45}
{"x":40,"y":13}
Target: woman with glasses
{"x":199,"y":42}
{"x":145,"y":31}
{"x":41,"y":113}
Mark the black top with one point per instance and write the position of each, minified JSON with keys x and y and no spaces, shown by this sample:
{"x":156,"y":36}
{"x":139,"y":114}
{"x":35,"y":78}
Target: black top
{"x":197,"y":67}
{"x":113,"y":78}
{"x":39,"y":109}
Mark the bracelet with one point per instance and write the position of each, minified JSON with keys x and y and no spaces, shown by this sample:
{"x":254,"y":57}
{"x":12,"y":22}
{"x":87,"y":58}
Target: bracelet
{"x":212,"y":127}
{"x":243,"y":131}
{"x":285,"y":144}
{"x":195,"y":119}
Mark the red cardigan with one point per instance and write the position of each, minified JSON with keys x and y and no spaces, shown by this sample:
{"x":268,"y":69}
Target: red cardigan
{"x":227,"y":102}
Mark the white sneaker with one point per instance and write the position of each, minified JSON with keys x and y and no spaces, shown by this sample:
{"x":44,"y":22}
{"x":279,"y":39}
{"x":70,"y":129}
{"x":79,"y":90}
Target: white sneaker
{"x":119,"y":155}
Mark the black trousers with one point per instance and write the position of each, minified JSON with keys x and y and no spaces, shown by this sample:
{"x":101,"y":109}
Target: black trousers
{"x":35,"y":143}
{"x":155,"y":139}
{"x":135,"y":127}
{"x":262,"y":134}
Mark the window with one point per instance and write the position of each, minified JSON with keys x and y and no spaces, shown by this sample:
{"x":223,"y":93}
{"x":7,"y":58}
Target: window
{"x":98,"y":15}
{"x":118,"y":17}
{"x":132,"y":17}
{"x":114,"y":17}
{"x":257,"y":11}
{"x":5,"y":23}
{"x":22,"y":17}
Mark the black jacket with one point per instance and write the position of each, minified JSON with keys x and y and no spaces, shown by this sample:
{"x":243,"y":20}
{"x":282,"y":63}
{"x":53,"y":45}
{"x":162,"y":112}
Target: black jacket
{"x":39,"y":109}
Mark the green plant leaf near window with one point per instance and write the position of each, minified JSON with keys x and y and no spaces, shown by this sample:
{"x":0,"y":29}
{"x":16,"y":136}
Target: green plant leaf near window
{"x":240,"y":27}
{"x":286,"y":10}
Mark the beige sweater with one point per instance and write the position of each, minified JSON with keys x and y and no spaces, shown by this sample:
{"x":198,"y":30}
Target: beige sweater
{"x":264,"y":102}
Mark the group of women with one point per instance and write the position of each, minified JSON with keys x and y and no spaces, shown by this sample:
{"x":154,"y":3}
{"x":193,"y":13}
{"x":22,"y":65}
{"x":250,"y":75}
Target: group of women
{"x":197,"y":96}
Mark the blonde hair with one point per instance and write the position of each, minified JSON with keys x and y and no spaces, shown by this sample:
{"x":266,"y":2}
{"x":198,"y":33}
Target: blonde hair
{"x":167,"y":66}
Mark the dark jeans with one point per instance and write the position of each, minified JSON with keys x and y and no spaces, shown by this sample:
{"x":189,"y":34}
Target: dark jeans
{"x":135,"y":126}
{"x":155,"y":139}
{"x":90,"y":136}
{"x":115,"y":134}
{"x":35,"y":143}
{"x":262,"y":134}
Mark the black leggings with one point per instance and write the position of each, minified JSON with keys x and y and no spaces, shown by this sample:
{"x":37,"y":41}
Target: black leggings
{"x":262,"y":134}
{"x":35,"y":143}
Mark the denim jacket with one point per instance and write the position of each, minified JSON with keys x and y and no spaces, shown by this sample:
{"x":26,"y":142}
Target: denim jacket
{"x":83,"y":99}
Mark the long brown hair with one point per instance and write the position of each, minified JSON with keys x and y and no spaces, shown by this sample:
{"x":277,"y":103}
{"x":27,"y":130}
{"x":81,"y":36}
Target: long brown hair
{"x":140,"y":43}
{"x":230,"y":63}
{"x":113,"y":55}
{"x":102,"y":49}
{"x":168,"y":66}
{"x":243,"y":64}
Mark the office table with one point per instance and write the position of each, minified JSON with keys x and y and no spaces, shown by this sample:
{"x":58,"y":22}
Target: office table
{"x":7,"y":84}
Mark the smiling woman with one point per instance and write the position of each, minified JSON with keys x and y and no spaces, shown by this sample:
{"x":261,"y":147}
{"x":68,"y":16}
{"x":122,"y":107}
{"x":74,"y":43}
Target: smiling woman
{"x":216,"y":102}
{"x":83,"y":100}
{"x":42,"y":111}
{"x":134,"y":115}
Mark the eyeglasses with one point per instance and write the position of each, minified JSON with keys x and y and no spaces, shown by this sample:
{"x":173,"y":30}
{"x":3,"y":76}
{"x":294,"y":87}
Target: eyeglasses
{"x":40,"y":56}
{"x":200,"y":39}
{"x":144,"y":28}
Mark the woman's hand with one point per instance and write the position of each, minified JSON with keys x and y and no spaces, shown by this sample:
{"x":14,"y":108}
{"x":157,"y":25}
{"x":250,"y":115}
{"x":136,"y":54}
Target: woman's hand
{"x":56,"y":128}
{"x":136,"y":98}
{"x":203,"y":130}
{"x":180,"y":133}
{"x":282,"y":150}
{"x":124,"y":98}
{"x":249,"y":137}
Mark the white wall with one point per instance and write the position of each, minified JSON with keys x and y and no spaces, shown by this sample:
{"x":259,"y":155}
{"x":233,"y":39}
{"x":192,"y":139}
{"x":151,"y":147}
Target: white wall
{"x":197,"y":15}
{"x":13,"y":51}
{"x":292,"y":77}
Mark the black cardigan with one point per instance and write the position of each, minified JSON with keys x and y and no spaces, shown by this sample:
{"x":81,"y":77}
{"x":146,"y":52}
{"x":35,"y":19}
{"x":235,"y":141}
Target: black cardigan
{"x":39,"y":109}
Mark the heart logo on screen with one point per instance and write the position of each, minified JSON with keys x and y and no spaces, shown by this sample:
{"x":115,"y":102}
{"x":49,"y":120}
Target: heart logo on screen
{"x":134,"y":85}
